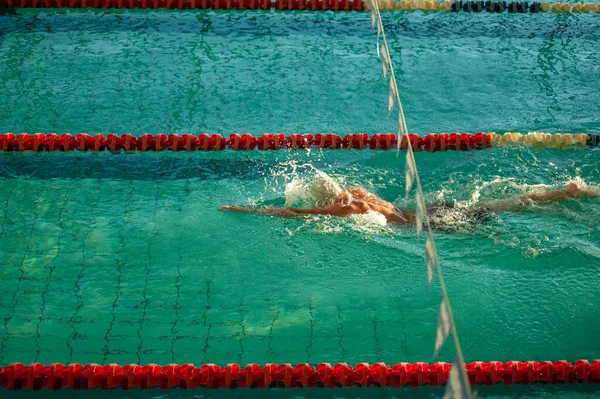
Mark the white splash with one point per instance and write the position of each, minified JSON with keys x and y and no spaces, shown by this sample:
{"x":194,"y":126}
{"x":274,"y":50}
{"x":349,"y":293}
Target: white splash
{"x":371,"y":218}
{"x":317,"y":190}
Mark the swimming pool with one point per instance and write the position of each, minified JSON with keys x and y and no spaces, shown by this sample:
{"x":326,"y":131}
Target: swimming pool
{"x":125,"y":258}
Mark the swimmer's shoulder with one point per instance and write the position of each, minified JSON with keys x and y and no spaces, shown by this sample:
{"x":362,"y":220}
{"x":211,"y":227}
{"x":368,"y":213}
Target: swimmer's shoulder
{"x":362,"y":205}
{"x":354,"y":207}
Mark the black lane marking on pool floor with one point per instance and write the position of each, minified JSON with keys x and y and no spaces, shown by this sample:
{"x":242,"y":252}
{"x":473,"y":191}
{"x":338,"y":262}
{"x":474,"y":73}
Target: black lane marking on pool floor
{"x":18,"y":286}
{"x":120,"y":264}
{"x":52,"y":267}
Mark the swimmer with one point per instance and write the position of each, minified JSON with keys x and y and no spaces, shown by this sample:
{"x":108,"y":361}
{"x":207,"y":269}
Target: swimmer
{"x":356,"y":200}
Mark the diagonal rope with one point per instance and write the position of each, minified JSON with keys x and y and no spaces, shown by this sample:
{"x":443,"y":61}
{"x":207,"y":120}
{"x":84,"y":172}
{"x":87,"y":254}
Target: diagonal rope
{"x":458,"y":382}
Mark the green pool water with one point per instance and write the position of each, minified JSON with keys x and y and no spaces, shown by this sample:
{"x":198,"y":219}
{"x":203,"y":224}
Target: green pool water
{"x":126,"y":259}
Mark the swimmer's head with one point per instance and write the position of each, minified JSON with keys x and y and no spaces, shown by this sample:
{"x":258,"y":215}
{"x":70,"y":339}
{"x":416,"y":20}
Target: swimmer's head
{"x":327,"y":191}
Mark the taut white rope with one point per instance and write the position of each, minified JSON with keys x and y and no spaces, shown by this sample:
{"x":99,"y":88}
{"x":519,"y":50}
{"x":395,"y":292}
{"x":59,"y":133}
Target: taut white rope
{"x":458,"y":382}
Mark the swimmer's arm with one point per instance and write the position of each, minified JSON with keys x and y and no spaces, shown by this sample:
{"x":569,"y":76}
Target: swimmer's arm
{"x":573,"y":190}
{"x":315,"y":211}
{"x":334,"y":210}
{"x":289,"y":212}
{"x":263,"y":211}
{"x":525,"y":201}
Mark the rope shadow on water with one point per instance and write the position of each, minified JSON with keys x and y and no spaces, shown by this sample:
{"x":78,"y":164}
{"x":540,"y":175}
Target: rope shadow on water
{"x":266,"y":23}
{"x":138,"y":166}
{"x":4,"y":12}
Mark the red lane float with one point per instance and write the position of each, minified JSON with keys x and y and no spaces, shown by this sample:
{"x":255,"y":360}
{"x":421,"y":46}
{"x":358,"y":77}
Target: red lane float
{"x":39,"y":142}
{"x":432,"y":142}
{"x":314,"y":5}
{"x":91,"y":376}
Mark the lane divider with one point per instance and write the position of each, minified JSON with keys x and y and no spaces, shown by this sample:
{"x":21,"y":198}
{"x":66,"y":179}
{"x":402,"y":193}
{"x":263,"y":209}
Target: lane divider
{"x":186,"y":376}
{"x":484,"y":6}
{"x":314,"y":5}
{"x":433,"y":142}
{"x":317,"y":5}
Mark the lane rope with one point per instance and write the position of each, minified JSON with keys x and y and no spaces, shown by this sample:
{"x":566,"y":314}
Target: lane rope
{"x":433,"y":142}
{"x":317,"y":5}
{"x":458,"y":381}
{"x":485,"y":6}
{"x":112,"y":376}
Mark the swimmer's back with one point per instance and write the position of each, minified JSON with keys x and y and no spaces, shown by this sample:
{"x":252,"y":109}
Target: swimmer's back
{"x":445,"y":216}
